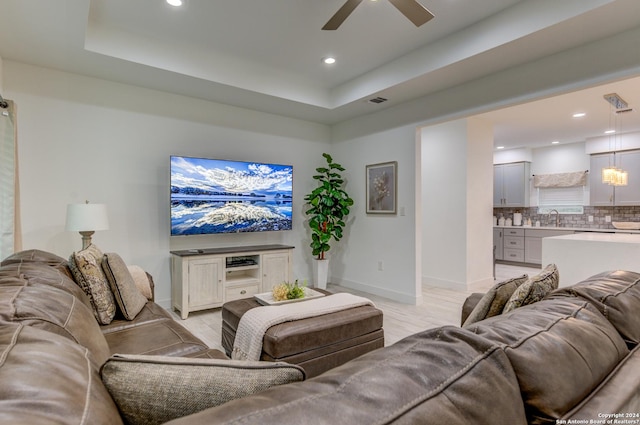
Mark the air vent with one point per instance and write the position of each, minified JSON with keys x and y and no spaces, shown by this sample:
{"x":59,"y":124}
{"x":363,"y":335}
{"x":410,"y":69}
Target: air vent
{"x":377,"y":100}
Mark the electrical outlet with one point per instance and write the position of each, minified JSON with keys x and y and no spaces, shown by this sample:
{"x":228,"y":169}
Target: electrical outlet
{"x":607,"y":218}
{"x":380,"y":266}
{"x":590,"y":218}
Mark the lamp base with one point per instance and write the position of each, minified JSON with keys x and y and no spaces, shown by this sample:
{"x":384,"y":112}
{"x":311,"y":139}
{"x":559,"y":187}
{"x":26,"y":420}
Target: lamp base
{"x":86,"y":238}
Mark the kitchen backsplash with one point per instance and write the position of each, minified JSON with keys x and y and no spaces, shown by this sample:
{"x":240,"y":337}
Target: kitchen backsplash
{"x":575,"y":220}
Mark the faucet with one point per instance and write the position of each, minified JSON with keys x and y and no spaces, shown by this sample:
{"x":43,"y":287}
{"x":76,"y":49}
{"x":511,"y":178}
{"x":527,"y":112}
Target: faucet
{"x":557,"y":217}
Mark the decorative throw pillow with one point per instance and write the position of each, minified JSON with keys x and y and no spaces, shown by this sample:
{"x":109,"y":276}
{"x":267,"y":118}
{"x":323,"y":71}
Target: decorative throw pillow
{"x":143,"y":281}
{"x":86,"y":266}
{"x":534,"y":289}
{"x":129,"y":298}
{"x":493,"y":301}
{"x":157,"y":389}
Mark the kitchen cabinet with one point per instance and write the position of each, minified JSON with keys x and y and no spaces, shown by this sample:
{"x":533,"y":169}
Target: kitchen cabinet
{"x":513,"y":244}
{"x":601,"y":194}
{"x":498,"y":244}
{"x":207,"y":278}
{"x":511,"y":184}
{"x":533,"y":243}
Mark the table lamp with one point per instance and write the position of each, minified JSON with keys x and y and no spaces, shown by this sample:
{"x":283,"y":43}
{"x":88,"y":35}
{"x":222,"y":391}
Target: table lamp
{"x":87,"y":218}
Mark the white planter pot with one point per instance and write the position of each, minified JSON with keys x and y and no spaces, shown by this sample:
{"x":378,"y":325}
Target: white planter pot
{"x":320,"y":273}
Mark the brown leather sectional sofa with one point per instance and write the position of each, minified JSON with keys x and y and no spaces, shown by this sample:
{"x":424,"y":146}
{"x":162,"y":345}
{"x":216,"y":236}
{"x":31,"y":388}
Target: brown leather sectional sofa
{"x":573,"y":355}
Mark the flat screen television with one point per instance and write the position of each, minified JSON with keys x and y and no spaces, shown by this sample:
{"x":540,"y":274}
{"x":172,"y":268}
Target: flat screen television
{"x":210,"y":196}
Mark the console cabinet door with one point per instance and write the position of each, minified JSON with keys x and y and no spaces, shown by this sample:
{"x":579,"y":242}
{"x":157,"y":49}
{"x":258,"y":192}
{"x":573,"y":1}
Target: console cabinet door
{"x":276,"y":268}
{"x":205,"y":282}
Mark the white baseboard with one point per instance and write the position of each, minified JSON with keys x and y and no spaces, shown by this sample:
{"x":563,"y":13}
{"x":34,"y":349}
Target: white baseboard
{"x":382,"y":292}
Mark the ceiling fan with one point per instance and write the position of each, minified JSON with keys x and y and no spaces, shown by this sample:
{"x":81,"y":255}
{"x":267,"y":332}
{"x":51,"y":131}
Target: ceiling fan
{"x":414,"y":11}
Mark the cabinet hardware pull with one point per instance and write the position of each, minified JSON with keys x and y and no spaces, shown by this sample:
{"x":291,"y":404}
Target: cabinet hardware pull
{"x":243,"y":292}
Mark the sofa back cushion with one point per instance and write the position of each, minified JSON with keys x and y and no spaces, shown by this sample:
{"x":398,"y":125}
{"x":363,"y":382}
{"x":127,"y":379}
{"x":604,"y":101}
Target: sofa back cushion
{"x":440,"y":376}
{"x":56,"y":311}
{"x":41,"y":274}
{"x":36,"y":256}
{"x":48,"y":379}
{"x":560,"y":351}
{"x":615,"y":294}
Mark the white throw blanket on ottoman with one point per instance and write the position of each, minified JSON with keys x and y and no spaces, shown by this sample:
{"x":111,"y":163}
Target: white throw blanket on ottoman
{"x":255,"y":322}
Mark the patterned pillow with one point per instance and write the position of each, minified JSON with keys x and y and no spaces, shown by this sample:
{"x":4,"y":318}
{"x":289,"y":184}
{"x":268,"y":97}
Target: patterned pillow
{"x":534,"y":289}
{"x":157,"y":389}
{"x":493,"y":301}
{"x":86,"y":266}
{"x":129,"y":298}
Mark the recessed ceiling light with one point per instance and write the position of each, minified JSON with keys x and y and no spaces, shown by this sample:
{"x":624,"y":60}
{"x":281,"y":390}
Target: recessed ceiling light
{"x":329,"y":60}
{"x":609,"y":132}
{"x":500,"y":147}
{"x":555,"y":142}
{"x":175,"y":3}
{"x":579,"y":115}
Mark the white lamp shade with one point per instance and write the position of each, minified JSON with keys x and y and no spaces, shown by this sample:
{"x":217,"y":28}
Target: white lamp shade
{"x":87,"y":217}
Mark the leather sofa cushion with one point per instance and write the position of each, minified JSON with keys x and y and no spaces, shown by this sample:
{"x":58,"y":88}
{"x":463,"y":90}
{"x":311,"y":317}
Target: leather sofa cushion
{"x":54,"y":310}
{"x":151,"y":312}
{"x":36,"y":256}
{"x":615,"y":395}
{"x":160,"y":337}
{"x":48,"y":379}
{"x":39,"y":274}
{"x":440,"y":376}
{"x":615,"y":294}
{"x":156,"y":389}
{"x":560,"y":351}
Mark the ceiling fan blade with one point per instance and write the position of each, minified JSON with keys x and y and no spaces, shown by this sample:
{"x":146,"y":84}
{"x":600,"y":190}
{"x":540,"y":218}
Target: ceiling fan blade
{"x":414,"y":11}
{"x":342,"y":14}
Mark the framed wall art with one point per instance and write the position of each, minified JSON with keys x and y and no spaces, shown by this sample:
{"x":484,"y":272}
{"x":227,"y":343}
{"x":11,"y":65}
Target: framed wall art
{"x":382,"y":185}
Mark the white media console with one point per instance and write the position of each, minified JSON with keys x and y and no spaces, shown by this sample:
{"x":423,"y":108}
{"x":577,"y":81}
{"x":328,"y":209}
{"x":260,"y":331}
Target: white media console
{"x":207,"y":278}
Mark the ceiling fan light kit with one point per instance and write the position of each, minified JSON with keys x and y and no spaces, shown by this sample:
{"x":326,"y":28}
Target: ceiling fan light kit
{"x":411,"y":9}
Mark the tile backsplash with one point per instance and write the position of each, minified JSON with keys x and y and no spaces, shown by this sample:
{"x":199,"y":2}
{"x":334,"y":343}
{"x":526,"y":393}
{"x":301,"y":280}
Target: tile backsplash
{"x":576,"y":220}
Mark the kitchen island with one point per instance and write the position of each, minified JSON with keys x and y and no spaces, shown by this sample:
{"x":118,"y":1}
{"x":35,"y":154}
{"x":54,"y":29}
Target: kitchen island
{"x":583,"y":255}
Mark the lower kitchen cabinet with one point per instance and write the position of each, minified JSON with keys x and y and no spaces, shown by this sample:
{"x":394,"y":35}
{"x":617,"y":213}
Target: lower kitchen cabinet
{"x":522,"y":245}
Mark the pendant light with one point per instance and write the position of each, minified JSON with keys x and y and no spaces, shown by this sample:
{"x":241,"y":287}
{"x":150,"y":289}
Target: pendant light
{"x":613,"y":175}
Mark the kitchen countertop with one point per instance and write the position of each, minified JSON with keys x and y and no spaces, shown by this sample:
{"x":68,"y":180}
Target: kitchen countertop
{"x":581,"y":255}
{"x":571,"y":229}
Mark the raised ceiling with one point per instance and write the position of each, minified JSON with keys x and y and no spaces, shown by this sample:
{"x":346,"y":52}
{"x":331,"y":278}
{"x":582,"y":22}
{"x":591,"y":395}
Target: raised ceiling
{"x":266,"y":55}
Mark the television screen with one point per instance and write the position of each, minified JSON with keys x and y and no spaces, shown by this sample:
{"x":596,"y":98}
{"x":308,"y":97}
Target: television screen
{"x":218,"y":196}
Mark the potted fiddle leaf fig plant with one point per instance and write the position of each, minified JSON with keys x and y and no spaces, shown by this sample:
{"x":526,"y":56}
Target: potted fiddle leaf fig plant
{"x":328,"y":209}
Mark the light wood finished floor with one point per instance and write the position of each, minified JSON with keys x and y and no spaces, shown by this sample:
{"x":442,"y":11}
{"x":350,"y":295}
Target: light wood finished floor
{"x":440,"y":307}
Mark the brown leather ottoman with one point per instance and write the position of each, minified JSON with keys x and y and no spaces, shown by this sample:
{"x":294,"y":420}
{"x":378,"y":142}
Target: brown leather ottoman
{"x":316,"y":344}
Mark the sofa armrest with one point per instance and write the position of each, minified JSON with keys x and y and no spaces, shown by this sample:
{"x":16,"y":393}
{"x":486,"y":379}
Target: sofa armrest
{"x":143,"y":281}
{"x":469,"y":304}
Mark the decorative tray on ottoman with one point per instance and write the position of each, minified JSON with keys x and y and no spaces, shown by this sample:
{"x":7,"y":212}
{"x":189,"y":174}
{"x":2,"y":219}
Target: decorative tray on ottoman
{"x":267,"y":297}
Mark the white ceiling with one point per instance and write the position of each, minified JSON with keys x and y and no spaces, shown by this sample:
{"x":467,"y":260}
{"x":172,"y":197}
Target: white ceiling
{"x":266,"y":55}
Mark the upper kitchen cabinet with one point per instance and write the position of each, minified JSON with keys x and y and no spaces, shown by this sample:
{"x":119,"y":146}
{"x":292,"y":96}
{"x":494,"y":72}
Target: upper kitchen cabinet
{"x":605,"y":195}
{"x":511,"y":184}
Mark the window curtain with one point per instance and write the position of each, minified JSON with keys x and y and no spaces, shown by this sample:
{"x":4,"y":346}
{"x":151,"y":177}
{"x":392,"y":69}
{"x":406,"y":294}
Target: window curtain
{"x":560,"y":179}
{"x":10,"y":234}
